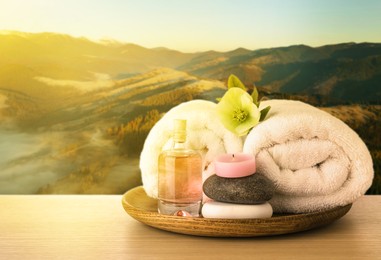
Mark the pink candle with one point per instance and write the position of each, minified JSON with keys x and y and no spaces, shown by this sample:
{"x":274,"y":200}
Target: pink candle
{"x":235,"y":165}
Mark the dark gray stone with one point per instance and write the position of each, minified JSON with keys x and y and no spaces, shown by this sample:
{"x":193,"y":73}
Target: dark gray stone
{"x":253,"y":189}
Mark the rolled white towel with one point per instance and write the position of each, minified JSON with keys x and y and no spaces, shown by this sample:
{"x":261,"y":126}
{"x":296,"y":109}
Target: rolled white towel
{"x":314,"y":159}
{"x":205,"y":133}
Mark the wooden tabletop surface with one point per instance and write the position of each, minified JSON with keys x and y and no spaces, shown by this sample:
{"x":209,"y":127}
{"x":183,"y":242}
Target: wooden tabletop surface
{"x":97,"y":227}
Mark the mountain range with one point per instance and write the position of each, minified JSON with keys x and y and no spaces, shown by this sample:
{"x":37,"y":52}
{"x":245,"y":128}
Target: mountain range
{"x":341,"y":73}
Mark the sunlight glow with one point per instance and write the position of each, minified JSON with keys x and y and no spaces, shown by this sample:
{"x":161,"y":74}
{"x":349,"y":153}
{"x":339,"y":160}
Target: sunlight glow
{"x":200,"y":25}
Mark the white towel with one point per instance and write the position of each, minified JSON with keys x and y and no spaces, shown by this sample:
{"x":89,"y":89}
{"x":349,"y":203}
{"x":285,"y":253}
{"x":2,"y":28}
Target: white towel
{"x":315,"y":160}
{"x":205,"y":133}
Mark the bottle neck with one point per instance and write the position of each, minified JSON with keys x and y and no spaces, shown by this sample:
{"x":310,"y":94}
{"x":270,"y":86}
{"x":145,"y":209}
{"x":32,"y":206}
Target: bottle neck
{"x":179,"y":144}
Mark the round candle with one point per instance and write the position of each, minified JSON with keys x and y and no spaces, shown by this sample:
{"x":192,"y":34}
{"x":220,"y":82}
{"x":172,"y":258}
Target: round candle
{"x":235,"y":165}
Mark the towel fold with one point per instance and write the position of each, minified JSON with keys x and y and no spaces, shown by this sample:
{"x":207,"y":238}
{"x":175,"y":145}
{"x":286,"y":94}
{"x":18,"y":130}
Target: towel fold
{"x":205,"y":133}
{"x":314,"y":159}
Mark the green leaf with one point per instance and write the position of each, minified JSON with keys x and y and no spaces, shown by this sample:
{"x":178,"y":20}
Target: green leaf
{"x":254,"y":95}
{"x":234,"y":82}
{"x":264,"y":113}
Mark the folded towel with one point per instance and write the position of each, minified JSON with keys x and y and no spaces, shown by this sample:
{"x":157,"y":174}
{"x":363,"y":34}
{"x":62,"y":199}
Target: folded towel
{"x":315,"y":160}
{"x":205,"y":133}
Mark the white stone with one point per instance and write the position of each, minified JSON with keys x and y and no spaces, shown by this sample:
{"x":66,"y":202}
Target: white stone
{"x":216,"y":209}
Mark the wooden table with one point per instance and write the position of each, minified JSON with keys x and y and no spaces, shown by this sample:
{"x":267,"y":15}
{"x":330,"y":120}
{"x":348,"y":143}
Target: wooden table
{"x":97,"y":227}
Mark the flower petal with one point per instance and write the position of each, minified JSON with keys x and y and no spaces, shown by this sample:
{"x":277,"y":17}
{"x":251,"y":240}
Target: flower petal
{"x":244,"y":128}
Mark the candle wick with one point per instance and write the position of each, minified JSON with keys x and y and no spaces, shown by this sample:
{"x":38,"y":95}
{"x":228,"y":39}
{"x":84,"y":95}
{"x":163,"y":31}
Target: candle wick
{"x":233,"y":155}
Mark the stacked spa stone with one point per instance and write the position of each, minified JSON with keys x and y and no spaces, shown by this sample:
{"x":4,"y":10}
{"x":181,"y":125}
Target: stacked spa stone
{"x":238,"y":197}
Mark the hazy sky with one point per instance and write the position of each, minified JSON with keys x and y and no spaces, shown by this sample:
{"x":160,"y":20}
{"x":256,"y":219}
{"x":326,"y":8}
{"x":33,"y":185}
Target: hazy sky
{"x":199,"y":25}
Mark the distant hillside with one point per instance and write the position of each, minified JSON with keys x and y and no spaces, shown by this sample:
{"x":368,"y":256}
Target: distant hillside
{"x":119,"y":102}
{"x":336,"y":74}
{"x":342,"y":73}
{"x":30,"y":61}
{"x":75,"y":55}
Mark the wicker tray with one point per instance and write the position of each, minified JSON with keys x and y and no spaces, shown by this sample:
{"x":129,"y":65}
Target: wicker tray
{"x":144,"y":209}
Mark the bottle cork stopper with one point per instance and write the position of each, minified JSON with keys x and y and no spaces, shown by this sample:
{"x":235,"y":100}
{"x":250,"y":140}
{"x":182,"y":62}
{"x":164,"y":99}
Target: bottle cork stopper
{"x":180,"y":130}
